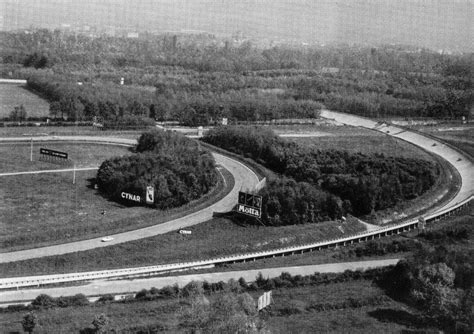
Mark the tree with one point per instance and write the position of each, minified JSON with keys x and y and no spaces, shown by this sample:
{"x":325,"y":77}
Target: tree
{"x":29,"y":322}
{"x":18,"y":113}
{"x":433,"y":290}
{"x":44,"y":301}
{"x":55,"y":109}
{"x":100,"y":323}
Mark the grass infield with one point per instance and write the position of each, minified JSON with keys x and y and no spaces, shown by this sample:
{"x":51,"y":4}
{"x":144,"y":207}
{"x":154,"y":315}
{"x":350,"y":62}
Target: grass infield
{"x":13,"y":95}
{"x":45,"y":209}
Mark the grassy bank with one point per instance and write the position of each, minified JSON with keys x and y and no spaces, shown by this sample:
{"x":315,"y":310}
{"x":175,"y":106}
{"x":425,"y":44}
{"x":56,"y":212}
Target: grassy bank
{"x":356,"y":305}
{"x":214,"y":238}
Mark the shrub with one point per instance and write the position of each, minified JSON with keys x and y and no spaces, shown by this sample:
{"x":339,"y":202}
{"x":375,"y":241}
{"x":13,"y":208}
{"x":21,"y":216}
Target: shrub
{"x":173,"y":164}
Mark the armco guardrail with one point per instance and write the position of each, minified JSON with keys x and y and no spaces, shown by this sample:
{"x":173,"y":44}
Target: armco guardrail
{"x":9,"y":283}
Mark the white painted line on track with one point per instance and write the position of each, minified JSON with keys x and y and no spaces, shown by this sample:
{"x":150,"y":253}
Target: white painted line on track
{"x":49,"y":171}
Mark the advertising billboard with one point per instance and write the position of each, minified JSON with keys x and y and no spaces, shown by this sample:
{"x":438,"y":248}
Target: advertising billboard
{"x":150,"y":195}
{"x":250,"y":204}
{"x":53,"y":153}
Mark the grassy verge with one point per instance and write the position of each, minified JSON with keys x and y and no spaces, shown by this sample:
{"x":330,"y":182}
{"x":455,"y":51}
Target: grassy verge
{"x":364,"y":141}
{"x":26,"y":131}
{"x":13,"y":95}
{"x":396,"y":246}
{"x":361,"y":308}
{"x":214,"y":238}
{"x":465,"y":146}
{"x":15,"y":157}
{"x":53,"y":211}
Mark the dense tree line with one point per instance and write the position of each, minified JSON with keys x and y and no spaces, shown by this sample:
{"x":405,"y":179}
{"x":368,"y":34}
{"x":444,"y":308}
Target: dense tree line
{"x":287,"y":202}
{"x":114,"y":103}
{"x":177,"y":168}
{"x":336,"y":182}
{"x":198,"y":79}
{"x":113,"y":106}
{"x":206,"y":53}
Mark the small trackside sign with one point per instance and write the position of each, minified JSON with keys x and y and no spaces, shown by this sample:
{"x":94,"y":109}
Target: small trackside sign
{"x":249,"y":210}
{"x":150,"y":195}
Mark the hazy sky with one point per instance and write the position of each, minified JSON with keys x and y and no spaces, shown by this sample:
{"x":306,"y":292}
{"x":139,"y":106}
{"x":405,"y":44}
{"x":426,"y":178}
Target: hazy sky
{"x":437,"y":24}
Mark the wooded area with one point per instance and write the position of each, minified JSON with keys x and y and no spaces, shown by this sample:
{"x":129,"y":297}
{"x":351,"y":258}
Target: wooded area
{"x":325,"y":184}
{"x":198,"y":79}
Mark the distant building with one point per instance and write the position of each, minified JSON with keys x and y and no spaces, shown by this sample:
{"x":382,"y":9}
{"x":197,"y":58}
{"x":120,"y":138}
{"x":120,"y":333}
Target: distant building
{"x":132,"y":35}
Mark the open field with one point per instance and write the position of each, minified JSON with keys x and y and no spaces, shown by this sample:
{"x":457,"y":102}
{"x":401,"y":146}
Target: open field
{"x":15,"y":157}
{"x":290,"y":312}
{"x":79,"y":215}
{"x":14,"y":95}
{"x":44,"y":209}
{"x":214,"y":238}
{"x":355,"y":140}
{"x":33,"y":131}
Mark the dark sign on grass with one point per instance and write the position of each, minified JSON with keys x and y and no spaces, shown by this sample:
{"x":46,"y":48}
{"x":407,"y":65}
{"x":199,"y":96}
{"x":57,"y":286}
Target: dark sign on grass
{"x":53,"y":156}
{"x":53,"y":153}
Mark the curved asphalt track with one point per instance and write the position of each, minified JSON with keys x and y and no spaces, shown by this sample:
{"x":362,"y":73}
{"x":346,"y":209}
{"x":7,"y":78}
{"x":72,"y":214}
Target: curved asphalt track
{"x":244,"y":179}
{"x":461,"y":163}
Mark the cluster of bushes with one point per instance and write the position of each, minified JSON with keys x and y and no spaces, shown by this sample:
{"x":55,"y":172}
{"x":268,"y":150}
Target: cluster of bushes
{"x":175,"y":165}
{"x":44,"y":301}
{"x":329,"y":182}
{"x":285,"y":280}
{"x":287,"y":202}
{"x":438,"y":282}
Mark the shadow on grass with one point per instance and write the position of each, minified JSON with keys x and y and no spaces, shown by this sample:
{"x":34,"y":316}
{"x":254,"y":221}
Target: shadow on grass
{"x":91,"y":182}
{"x":400,"y":317}
{"x":239,"y":219}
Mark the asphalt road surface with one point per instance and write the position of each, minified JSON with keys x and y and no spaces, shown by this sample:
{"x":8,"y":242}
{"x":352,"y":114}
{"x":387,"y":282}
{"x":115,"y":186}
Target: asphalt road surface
{"x":130,"y":286}
{"x":462,"y":164}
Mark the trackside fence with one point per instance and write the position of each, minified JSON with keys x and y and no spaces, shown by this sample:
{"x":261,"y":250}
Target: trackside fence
{"x":12,"y":283}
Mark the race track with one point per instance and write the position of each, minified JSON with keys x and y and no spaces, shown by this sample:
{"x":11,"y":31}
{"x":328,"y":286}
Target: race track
{"x":459,"y":161}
